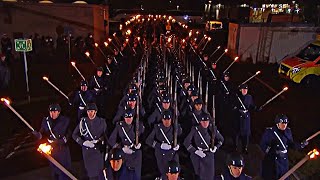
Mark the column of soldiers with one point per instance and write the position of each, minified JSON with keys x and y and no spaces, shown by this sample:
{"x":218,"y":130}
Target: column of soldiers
{"x":164,"y":109}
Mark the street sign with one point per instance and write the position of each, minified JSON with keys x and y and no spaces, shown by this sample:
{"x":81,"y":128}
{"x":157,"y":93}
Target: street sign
{"x":23,"y":45}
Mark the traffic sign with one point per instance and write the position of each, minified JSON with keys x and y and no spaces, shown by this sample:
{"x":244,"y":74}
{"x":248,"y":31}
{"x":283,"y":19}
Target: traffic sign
{"x":23,"y":45}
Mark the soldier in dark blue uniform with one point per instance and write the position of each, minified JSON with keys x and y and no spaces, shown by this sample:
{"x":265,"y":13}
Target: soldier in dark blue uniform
{"x":173,"y":171}
{"x":115,"y":168}
{"x":91,"y":135}
{"x":155,"y":117}
{"x":132,"y":104}
{"x":198,"y":110}
{"x":161,"y":139}
{"x":199,"y":144}
{"x":82,"y":98}
{"x":235,"y":163}
{"x":124,"y":136}
{"x":55,"y":128}
{"x":242,"y":121}
{"x":99,"y":85}
{"x":275,"y":143}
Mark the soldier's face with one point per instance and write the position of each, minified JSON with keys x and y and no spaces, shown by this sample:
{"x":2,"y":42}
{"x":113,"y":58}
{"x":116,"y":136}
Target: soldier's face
{"x":186,"y":85}
{"x":235,"y":171}
{"x":116,"y":164}
{"x":165,"y":105}
{"x":214,"y":66}
{"x":205,"y":58}
{"x":132,"y":104}
{"x":198,"y":107}
{"x":54,"y":114}
{"x":244,"y":91}
{"x":282,"y":126}
{"x":204,"y":124}
{"x":172,"y":176}
{"x":99,"y":73}
{"x":91,"y":114}
{"x":166,"y":122}
{"x":3,"y":58}
{"x":128,"y":120}
{"x":226,"y":78}
{"x":84,"y":88}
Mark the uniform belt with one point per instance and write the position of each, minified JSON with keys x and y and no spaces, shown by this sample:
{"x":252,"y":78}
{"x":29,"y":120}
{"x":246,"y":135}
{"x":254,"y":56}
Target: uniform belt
{"x":96,"y":89}
{"x":81,"y":108}
{"x":202,"y":149}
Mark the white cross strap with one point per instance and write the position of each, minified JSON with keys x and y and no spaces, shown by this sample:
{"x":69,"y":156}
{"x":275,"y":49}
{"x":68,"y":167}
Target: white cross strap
{"x":50,"y":128}
{"x":164,"y":135}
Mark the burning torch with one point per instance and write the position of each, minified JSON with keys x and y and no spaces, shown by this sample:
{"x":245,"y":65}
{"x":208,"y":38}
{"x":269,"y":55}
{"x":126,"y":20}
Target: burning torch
{"x":214,"y":52}
{"x":7,"y":103}
{"x":45,"y":149}
{"x":209,"y":39}
{"x":235,"y":59}
{"x":55,"y":87}
{"x":225,"y":51}
{"x":283,"y":90}
{"x":88,"y":55}
{"x":74,"y":65}
{"x":258,"y":72}
{"x":311,"y":155}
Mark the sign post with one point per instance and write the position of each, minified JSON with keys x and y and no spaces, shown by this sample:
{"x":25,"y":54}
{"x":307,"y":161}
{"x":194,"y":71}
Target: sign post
{"x":24,"y":45}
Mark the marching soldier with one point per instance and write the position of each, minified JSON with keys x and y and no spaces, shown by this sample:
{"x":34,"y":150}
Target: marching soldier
{"x":235,"y":163}
{"x":82,"y":98}
{"x":116,"y":170}
{"x":98,"y":84}
{"x":242,"y":121}
{"x":275,"y":143}
{"x":132,"y":104}
{"x":125,"y":132}
{"x":225,"y":95}
{"x":91,"y":135}
{"x":161,"y":139}
{"x":198,"y":110}
{"x":55,"y":128}
{"x":155,"y":117}
{"x":199,"y":144}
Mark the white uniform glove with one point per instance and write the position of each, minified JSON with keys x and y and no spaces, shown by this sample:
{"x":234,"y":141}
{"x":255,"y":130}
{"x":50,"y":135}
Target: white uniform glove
{"x":176,"y":148}
{"x":214,"y":149}
{"x":88,"y":144}
{"x":165,"y":146}
{"x":127,"y":150}
{"x":138,"y":146}
{"x":200,"y":153}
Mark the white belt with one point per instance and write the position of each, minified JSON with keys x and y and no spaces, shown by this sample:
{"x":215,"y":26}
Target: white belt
{"x":81,"y":108}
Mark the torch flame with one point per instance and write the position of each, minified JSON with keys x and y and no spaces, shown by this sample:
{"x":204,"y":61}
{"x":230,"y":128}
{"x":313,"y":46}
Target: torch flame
{"x":127,"y":40}
{"x":226,"y":50}
{"x":209,"y":39}
{"x":218,"y":47}
{"x":87,"y":54}
{"x":236,"y":58}
{"x":183,"y":40}
{"x":105,"y":44}
{"x":312,"y":154}
{"x":109,"y":39}
{"x":73,"y":63}
{"x":96,"y":44}
{"x":45,"y":78}
{"x":45,"y":148}
{"x":197,"y":32}
{"x":285,"y":88}
{"x":258,"y":72}
{"x":138,"y":38}
{"x":5,"y":100}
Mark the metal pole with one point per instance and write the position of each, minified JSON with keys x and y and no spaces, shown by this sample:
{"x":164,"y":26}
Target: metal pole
{"x":26,"y":73}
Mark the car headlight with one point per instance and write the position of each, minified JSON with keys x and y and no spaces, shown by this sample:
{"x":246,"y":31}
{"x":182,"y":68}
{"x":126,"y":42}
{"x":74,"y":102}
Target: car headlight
{"x":296,"y":70}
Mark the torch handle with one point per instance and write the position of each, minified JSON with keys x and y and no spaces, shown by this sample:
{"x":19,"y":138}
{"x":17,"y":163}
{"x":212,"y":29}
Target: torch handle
{"x":313,"y":136}
{"x":272,"y":98}
{"x":249,"y":79}
{"x":56,"y":88}
{"x":58,"y":165}
{"x":19,"y":116}
{"x":79,"y":73}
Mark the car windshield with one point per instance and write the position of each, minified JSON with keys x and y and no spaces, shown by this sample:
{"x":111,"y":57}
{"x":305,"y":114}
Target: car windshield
{"x":310,"y":53}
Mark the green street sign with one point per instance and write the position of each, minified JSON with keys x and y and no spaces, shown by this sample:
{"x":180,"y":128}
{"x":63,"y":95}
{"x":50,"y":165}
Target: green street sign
{"x":23,"y":45}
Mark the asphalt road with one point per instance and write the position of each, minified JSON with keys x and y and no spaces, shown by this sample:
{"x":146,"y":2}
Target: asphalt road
{"x":300,"y":104}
